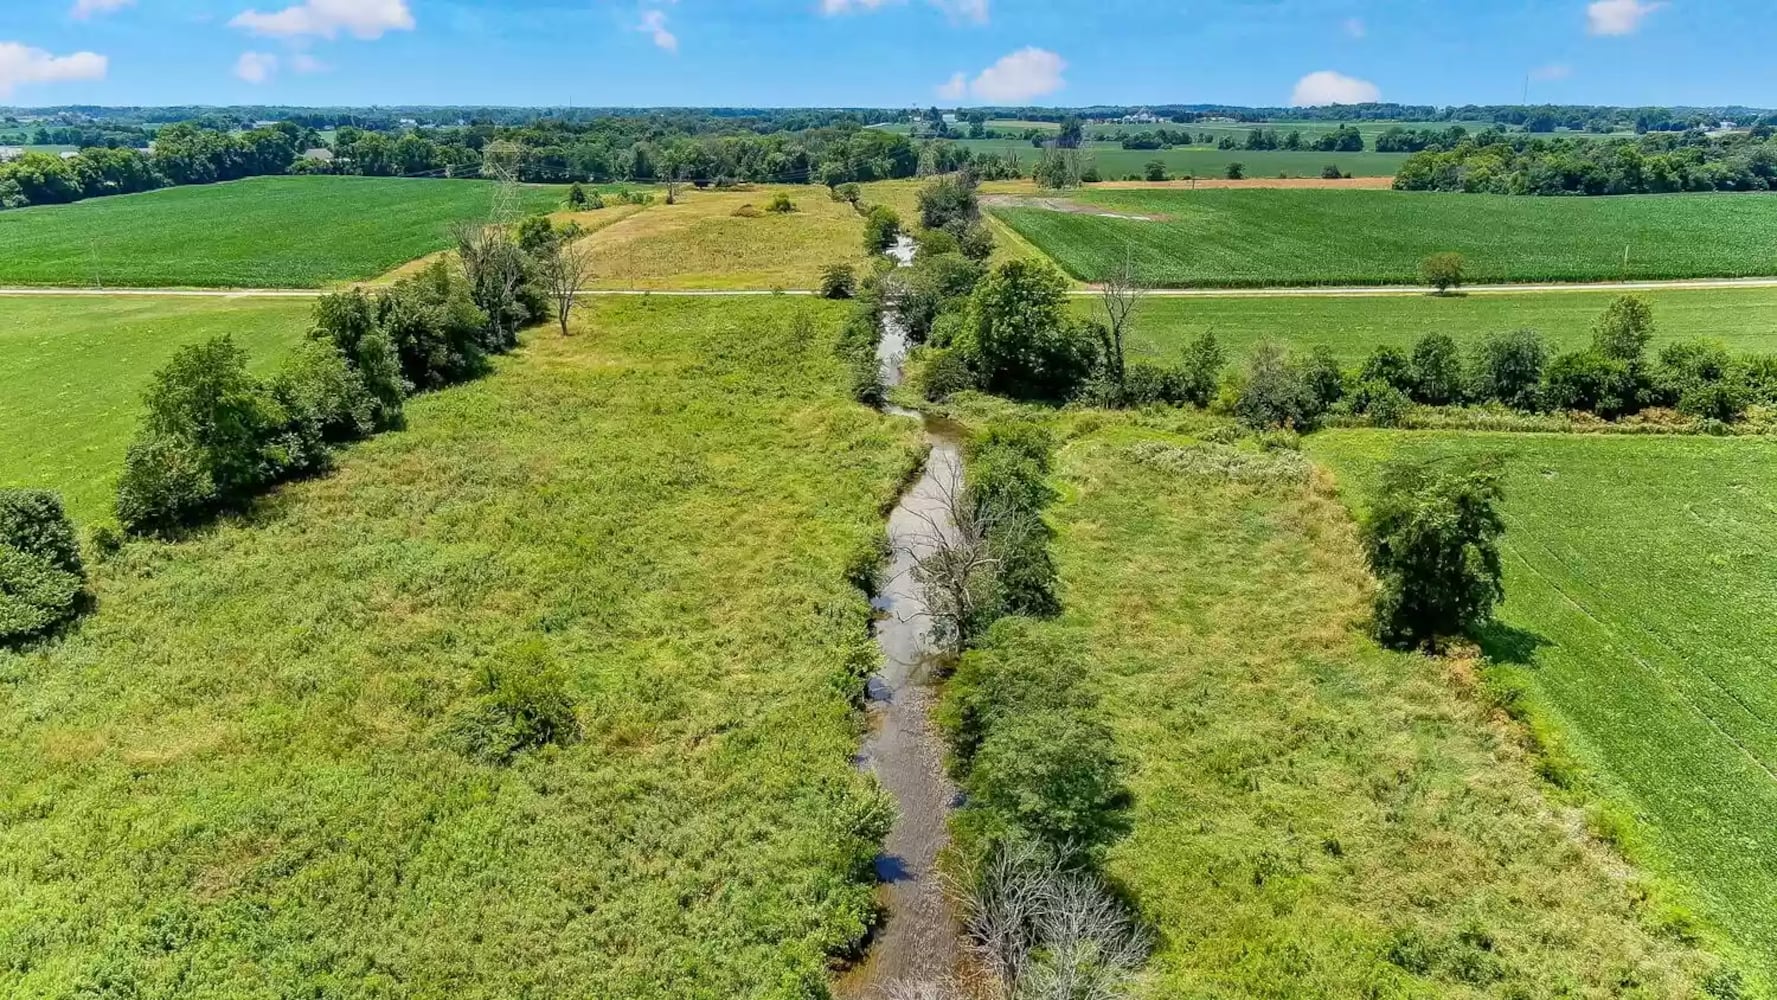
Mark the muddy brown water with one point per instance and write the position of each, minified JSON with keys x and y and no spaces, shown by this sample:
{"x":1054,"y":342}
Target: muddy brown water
{"x":920,"y":940}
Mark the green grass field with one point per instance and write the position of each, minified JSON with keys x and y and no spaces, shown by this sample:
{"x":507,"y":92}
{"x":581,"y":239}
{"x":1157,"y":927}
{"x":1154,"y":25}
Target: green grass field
{"x":1315,"y":817}
{"x":1116,"y":163}
{"x":72,"y":371}
{"x":1642,"y":616}
{"x":291,"y":232}
{"x":1250,"y":238}
{"x":231,"y":780}
{"x":1743,"y":318}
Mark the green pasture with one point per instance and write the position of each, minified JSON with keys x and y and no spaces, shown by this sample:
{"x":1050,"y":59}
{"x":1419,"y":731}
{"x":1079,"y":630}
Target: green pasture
{"x":1280,"y":237}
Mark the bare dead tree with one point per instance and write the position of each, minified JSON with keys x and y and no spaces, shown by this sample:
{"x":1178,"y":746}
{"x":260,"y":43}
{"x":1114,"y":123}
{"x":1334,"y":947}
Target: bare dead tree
{"x":1046,"y":933}
{"x":565,"y":267}
{"x":953,"y":556}
{"x":1119,"y":297}
{"x":495,"y":267}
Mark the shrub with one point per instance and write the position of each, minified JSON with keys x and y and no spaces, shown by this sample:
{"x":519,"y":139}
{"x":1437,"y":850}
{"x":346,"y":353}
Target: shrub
{"x":934,"y":285}
{"x":1382,"y":403}
{"x":856,"y":349}
{"x":1508,"y":368}
{"x":35,"y":594}
{"x":166,"y":484}
{"x":1049,"y":777}
{"x":942,"y":373}
{"x":1236,"y":171}
{"x":1437,"y":370}
{"x":322,"y":401}
{"x":1388,"y":365}
{"x":1155,"y":171}
{"x":1272,"y":392}
{"x":435,"y":326}
{"x":1589,"y":381}
{"x":1200,"y":371}
{"x":519,"y":705}
{"x":41,"y":572}
{"x":1146,"y":383}
{"x":938,"y":241}
{"x":1443,"y":271}
{"x":1623,"y":332}
{"x":1330,"y":173}
{"x":1020,"y":337}
{"x":780,"y":204}
{"x":348,"y":321}
{"x":849,"y":193}
{"x":1701,"y":379}
{"x":974,"y":241}
{"x":838,"y":281}
{"x":34,"y":522}
{"x":881,"y":227}
{"x":1325,"y":377}
{"x":577,"y":197}
{"x":1431,"y":538}
{"x":947,"y":200}
{"x":206,"y":398}
{"x":1007,"y":490}
{"x":748,"y":211}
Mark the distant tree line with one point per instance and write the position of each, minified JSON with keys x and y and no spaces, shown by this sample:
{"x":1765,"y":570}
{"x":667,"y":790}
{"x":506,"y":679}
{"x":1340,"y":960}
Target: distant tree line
{"x":1496,"y":163}
{"x":182,"y":154}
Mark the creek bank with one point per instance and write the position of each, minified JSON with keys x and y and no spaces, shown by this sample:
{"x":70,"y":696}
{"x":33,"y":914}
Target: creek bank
{"x":920,"y":941}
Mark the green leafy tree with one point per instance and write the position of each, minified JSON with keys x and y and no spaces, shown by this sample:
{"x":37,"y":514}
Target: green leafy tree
{"x":881,"y":228}
{"x":1625,"y":329}
{"x":1443,"y":271}
{"x":1437,"y":370}
{"x":1200,"y":370}
{"x":1236,"y":171}
{"x":41,"y":573}
{"x":1272,"y":391}
{"x":1432,"y":540}
{"x":1508,"y":368}
{"x":1051,"y":778}
{"x":1021,"y":338}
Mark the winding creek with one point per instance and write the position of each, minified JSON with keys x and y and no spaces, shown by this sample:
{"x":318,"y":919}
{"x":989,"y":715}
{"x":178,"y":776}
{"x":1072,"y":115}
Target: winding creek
{"x":921,"y":942}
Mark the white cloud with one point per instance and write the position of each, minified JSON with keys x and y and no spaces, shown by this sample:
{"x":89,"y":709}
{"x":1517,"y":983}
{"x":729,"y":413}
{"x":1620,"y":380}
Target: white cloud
{"x":1354,"y":27}
{"x":959,"y":10}
{"x":256,"y":67}
{"x":364,"y":19}
{"x":954,"y":89}
{"x":1553,"y":71}
{"x":654,"y":23}
{"x":1021,"y":76}
{"x":20,"y":64}
{"x":84,"y":9}
{"x":1327,"y":87}
{"x":1618,"y":17}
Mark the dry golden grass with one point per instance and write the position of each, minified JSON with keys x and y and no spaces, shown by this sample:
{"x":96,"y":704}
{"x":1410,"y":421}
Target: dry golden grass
{"x":700,"y":243}
{"x":590,"y":222}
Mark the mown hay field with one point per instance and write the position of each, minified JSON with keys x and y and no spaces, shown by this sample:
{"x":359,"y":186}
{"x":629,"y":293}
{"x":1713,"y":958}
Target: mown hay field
{"x":1282,"y":237}
{"x":1314,"y":817}
{"x":72,"y":372}
{"x":236,"y":777}
{"x":1642,"y":621}
{"x":265,"y":232}
{"x":725,"y":239}
{"x":1745,"y":319}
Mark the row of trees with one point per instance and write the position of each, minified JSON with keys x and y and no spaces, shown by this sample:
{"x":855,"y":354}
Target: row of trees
{"x":182,"y":154}
{"x":1344,"y":139}
{"x":214,"y":435}
{"x":1494,"y":164}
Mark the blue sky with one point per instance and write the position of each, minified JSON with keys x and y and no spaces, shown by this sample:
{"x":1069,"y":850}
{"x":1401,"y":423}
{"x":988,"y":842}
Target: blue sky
{"x":884,"y":52}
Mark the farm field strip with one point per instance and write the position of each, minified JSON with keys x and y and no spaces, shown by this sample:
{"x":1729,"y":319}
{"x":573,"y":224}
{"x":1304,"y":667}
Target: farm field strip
{"x":1640,"y":613}
{"x":1742,"y":315}
{"x":1353,"y":238}
{"x":264,"y":232}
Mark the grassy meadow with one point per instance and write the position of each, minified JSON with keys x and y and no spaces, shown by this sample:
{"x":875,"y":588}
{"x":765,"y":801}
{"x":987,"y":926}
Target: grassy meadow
{"x":72,"y":372}
{"x":265,"y":232}
{"x":1314,"y":817}
{"x":1642,"y":620}
{"x":233,"y":780}
{"x":702,"y":243}
{"x":1745,"y":319}
{"x":1279,"y":237}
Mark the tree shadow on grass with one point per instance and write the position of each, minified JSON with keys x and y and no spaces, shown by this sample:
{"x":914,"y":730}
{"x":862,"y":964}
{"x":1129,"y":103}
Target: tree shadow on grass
{"x":1505,"y":643}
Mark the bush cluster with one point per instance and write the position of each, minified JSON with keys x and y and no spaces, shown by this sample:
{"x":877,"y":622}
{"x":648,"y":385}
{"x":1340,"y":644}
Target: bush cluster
{"x":41,"y":572}
{"x":213,"y":434}
{"x":519,"y":704}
